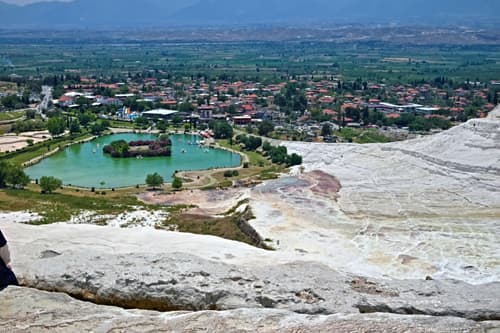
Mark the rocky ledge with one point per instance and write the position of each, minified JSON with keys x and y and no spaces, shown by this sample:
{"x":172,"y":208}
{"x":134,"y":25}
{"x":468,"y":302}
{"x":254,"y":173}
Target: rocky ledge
{"x":166,"y":271}
{"x":28,"y":310}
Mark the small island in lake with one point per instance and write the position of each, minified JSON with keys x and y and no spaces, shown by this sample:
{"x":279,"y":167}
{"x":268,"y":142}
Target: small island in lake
{"x":141,"y":148}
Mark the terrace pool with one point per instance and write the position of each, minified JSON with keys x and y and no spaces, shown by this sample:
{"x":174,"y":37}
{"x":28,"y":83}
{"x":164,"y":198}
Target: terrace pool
{"x":86,"y":165}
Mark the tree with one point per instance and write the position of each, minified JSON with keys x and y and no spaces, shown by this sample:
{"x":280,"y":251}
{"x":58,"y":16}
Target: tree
{"x":252,"y":142}
{"x":326,"y":130}
{"x":141,"y":121}
{"x":10,"y":101}
{"x":294,"y":159}
{"x":85,"y":118}
{"x":121,"y":147}
{"x":31,"y":114}
{"x":56,"y":126}
{"x":176,"y":120}
{"x":154,"y":180}
{"x":161,"y":126}
{"x":278,"y":154}
{"x":177,"y":183}
{"x":48,"y":184}
{"x":353,"y":113}
{"x":74,"y":126}
{"x":266,"y":146}
{"x":265,"y":127}
{"x":96,"y":129}
{"x":5,"y":169}
{"x":82,"y":101}
{"x":231,"y":109}
{"x":185,"y":107}
{"x":17,"y":178}
{"x":222,"y":130}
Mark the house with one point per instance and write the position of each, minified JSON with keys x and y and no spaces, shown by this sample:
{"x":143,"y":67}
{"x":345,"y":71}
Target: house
{"x":206,"y":112}
{"x":159,"y":113}
{"x":426,"y":110}
{"x":242,"y":120}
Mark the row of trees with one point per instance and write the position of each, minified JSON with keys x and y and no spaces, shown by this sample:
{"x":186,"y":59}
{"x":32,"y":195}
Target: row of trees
{"x":156,"y":180}
{"x":279,"y":155}
{"x":15,"y":102}
{"x":250,"y":142}
{"x":57,"y":125}
{"x":28,"y":126}
{"x":15,"y":177}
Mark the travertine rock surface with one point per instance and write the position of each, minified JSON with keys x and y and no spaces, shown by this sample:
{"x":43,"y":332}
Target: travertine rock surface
{"x":149,"y":269}
{"x":27,"y":310}
{"x":424,"y":207}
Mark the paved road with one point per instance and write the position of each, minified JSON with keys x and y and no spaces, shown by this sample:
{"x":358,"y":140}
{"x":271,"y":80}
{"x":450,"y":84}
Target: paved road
{"x":44,"y":104}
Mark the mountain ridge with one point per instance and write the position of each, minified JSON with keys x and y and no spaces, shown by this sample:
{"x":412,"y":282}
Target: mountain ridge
{"x":135,"y":13}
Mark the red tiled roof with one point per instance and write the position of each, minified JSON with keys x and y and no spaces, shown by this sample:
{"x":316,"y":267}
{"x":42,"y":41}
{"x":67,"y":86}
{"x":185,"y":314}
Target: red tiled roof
{"x":330,"y":112}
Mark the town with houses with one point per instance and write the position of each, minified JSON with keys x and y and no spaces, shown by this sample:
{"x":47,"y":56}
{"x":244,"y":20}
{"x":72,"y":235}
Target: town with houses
{"x":298,"y":109}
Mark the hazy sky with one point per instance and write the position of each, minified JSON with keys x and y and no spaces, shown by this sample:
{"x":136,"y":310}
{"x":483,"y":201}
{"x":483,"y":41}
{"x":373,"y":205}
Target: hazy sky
{"x":23,"y":2}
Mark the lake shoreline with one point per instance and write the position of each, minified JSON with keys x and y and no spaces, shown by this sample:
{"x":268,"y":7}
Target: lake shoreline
{"x":186,"y":156}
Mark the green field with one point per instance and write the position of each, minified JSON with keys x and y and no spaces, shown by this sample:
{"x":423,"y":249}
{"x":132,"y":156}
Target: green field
{"x":11,"y":115}
{"x":262,"y":61}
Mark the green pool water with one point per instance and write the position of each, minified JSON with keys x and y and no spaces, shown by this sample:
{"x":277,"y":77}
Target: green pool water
{"x":86,"y":165}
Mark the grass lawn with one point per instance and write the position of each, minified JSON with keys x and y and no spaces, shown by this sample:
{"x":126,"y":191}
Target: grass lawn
{"x":122,"y":124}
{"x":10,"y":115}
{"x":254,"y":158}
{"x":225,"y":227}
{"x":63,"y":204}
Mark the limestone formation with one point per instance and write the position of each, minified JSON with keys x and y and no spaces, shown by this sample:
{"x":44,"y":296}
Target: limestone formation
{"x":28,"y":310}
{"x":145,"y":268}
{"x":406,"y":210}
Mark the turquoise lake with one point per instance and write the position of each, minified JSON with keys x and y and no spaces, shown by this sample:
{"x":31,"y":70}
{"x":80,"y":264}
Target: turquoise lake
{"x":86,"y":165}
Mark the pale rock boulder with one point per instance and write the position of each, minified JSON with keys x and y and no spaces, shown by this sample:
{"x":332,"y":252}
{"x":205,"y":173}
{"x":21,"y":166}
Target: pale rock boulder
{"x":150,"y":269}
{"x":27,"y":310}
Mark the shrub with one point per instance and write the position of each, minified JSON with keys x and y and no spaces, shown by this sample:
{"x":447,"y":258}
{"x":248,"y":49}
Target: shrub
{"x":294,"y":159}
{"x":49,"y":184}
{"x":154,"y":180}
{"x":177,"y":183}
{"x":266,"y":146}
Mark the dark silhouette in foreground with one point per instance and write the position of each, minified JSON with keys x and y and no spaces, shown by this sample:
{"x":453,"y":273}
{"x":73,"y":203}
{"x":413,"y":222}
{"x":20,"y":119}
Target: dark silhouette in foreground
{"x":7,"y":276}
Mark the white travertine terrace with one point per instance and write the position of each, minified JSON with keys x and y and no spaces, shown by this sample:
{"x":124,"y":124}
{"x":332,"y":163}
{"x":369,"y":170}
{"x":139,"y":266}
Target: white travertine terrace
{"x":424,"y":207}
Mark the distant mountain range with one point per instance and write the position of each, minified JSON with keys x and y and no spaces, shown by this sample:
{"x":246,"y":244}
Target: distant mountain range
{"x":90,"y":14}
